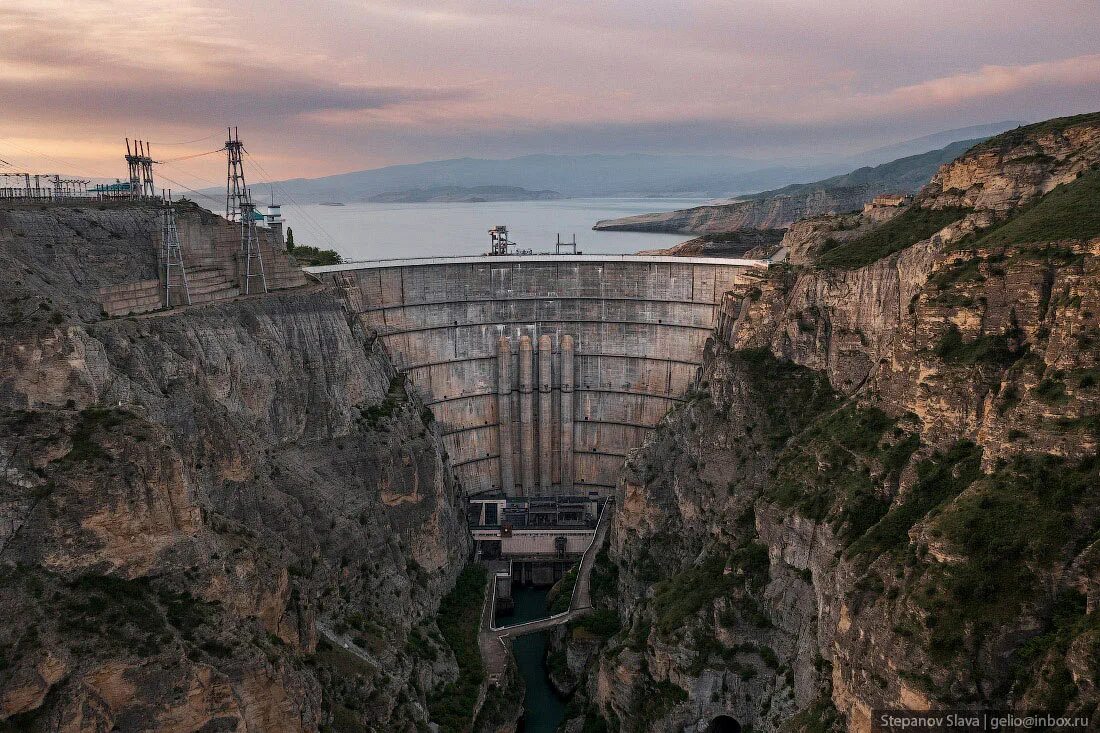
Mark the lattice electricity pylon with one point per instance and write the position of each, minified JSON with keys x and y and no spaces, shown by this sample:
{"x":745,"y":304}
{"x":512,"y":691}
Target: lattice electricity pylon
{"x":147,"y":188}
{"x":140,"y":164}
{"x":133,"y":163}
{"x":250,"y":245}
{"x":236,"y":192}
{"x":173,"y":255}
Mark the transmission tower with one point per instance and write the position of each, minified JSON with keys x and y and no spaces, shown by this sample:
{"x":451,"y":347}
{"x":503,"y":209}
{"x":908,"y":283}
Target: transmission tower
{"x":134,"y":166}
{"x":250,"y":244}
{"x":173,"y":255}
{"x":139,"y":161}
{"x":147,"y":187}
{"x":236,"y":192}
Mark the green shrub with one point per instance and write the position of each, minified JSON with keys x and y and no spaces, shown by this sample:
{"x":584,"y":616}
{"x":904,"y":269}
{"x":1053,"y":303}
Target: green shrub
{"x":603,"y":623}
{"x":314,"y":257}
{"x":834,"y":460}
{"x":460,"y":621}
{"x":1020,"y":135}
{"x":991,"y":349}
{"x":654,"y":701}
{"x":940,"y":478}
{"x":1051,"y":391}
{"x":396,"y":397}
{"x":683,"y":595}
{"x":93,"y":420}
{"x":603,"y":583}
{"x":562,"y":592}
{"x":1029,"y":512}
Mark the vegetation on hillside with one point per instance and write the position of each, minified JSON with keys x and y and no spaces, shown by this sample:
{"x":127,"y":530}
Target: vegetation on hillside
{"x":561,"y":594}
{"x":907,"y":228}
{"x":834,"y":470}
{"x":1070,"y":211}
{"x":1020,"y":135}
{"x":310,"y":256}
{"x":314,"y":257}
{"x":1001,"y":558}
{"x":901,"y":175}
{"x":459,"y":621}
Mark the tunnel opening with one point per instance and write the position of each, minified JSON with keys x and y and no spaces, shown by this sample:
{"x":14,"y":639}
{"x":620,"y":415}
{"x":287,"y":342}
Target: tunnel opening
{"x":723,"y":724}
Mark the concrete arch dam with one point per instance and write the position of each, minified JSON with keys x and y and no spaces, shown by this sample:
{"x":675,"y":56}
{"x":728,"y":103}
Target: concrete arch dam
{"x":544,"y":370}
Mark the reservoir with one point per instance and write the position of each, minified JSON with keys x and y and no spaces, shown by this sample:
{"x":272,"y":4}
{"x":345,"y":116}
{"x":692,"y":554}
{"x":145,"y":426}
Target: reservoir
{"x":543,"y":710}
{"x":378,"y":231}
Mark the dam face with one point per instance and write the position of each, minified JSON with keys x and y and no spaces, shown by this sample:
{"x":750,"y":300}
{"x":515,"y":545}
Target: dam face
{"x":545,"y":370}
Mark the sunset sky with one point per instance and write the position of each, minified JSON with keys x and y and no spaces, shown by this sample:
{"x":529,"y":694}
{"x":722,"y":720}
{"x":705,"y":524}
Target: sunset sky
{"x":329,"y":86}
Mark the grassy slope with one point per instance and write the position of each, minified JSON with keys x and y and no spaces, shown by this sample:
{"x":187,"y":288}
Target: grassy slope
{"x":905,"y":174}
{"x":1071,"y":211}
{"x":1021,"y":135}
{"x":906,"y":229}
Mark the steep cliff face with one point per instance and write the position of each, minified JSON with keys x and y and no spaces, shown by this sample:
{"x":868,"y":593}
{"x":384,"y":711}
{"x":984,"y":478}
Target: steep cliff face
{"x":229,"y":517}
{"x":883,"y":494}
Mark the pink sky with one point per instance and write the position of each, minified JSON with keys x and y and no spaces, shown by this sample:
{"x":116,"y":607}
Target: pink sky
{"x":330,"y":86}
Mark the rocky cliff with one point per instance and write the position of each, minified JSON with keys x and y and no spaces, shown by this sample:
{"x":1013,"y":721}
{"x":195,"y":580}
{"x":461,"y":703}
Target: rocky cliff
{"x":228,"y":517}
{"x":883,"y":494}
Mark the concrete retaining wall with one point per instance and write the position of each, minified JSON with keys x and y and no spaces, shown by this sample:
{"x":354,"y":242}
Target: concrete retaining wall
{"x":639,"y":325}
{"x":211,"y":254}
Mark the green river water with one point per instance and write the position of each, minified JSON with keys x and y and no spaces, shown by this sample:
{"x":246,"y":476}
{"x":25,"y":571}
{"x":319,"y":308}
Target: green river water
{"x":543,"y":710}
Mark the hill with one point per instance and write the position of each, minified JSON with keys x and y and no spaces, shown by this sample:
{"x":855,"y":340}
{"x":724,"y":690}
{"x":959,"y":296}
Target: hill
{"x":780,"y":207}
{"x":464,"y":194}
{"x":611,"y":175}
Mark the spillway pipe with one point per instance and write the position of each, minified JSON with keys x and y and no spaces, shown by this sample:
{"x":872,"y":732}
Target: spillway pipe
{"x":546,"y":436}
{"x":567,"y":349}
{"x":504,"y":414}
{"x":527,"y":415}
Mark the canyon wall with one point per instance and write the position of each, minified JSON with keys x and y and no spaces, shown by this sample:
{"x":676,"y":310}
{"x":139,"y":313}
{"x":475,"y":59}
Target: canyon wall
{"x":227,"y":517}
{"x":883,"y":493}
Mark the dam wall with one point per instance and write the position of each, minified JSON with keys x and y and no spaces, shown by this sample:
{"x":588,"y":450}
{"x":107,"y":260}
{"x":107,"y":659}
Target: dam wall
{"x":487,"y":337}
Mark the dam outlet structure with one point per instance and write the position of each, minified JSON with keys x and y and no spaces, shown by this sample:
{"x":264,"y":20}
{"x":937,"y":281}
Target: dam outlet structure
{"x":543,"y":372}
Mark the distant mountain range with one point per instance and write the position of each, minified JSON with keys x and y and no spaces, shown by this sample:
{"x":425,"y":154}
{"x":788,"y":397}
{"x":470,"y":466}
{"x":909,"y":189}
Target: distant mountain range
{"x":780,"y":207}
{"x":464,"y":194}
{"x":608,"y":175}
{"x":932,"y":142}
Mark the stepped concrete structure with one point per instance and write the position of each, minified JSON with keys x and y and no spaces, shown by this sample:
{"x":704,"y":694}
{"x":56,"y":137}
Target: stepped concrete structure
{"x":211,"y":248}
{"x":543,"y":371}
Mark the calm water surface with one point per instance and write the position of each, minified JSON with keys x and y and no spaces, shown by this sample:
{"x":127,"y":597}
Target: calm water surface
{"x":543,"y":710}
{"x":376,"y":231}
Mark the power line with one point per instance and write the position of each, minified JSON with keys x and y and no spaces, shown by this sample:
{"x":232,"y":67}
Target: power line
{"x":197,"y":140}
{"x":189,"y":157}
{"x":191,"y":190}
{"x":72,"y":168}
{"x":189,"y":174}
{"x":266,"y":177}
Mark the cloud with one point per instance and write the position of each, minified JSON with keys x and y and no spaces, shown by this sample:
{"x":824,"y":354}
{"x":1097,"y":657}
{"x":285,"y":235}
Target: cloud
{"x":322,"y":86}
{"x":989,"y":83}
